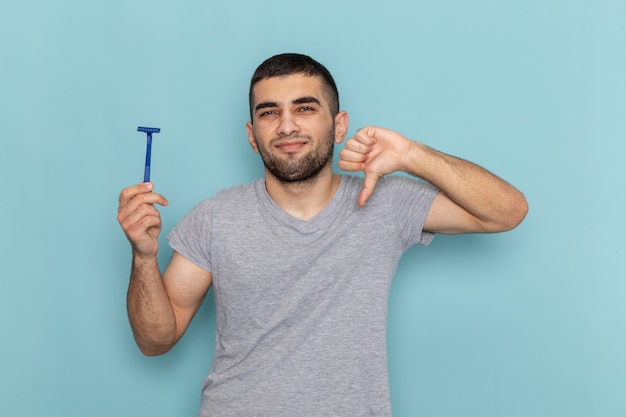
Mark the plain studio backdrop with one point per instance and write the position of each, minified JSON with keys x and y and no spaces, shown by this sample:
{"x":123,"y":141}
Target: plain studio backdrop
{"x":527,"y":323}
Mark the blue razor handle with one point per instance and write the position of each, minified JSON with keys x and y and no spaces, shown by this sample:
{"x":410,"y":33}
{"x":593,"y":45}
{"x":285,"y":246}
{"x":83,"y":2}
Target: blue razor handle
{"x":149,"y":131}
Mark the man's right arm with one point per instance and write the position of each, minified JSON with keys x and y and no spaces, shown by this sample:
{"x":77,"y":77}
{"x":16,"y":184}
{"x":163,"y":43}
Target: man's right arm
{"x":160,"y":307}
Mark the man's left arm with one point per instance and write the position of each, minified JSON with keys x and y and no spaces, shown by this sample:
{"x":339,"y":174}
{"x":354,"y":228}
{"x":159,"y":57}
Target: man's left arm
{"x":472,"y":200}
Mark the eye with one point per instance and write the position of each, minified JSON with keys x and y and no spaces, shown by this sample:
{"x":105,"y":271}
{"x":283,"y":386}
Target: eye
{"x":306,"y":109}
{"x":267,"y":113}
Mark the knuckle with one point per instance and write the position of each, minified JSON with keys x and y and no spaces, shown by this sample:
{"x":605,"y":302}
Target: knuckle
{"x":125,"y":194}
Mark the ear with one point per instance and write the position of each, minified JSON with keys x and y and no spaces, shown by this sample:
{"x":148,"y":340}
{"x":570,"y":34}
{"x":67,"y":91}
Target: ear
{"x":251,"y":139}
{"x":341,"y":126}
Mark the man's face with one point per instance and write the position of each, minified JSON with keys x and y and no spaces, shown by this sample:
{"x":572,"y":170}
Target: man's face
{"x":292,"y":127}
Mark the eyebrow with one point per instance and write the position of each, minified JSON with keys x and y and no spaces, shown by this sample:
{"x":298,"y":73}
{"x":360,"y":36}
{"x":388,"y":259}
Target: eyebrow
{"x":265,"y":105}
{"x":301,"y":100}
{"x":306,"y":100}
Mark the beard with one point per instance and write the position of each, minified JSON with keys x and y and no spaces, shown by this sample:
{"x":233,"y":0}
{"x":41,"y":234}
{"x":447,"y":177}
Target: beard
{"x":299,"y":169}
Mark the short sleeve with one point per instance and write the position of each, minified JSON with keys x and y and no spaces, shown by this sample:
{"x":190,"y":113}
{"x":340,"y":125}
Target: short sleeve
{"x":191,"y":237}
{"x":412,"y":199}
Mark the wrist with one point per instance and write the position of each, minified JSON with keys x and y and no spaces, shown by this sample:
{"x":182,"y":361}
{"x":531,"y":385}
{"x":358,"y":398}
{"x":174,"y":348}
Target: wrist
{"x":414,"y":158}
{"x":144,"y":259}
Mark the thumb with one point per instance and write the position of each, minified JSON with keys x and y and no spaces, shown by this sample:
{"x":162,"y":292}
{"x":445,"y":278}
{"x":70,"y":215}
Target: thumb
{"x":368,"y":187}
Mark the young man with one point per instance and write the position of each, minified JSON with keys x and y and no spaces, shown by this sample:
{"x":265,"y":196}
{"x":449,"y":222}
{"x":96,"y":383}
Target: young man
{"x":301,"y":260}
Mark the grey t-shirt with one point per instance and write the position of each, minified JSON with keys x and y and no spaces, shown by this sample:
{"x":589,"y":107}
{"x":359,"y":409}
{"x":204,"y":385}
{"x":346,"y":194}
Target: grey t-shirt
{"x":302,"y":305}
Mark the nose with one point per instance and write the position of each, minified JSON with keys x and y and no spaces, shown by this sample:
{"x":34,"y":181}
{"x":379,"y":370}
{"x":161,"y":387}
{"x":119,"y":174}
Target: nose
{"x":287,"y":125}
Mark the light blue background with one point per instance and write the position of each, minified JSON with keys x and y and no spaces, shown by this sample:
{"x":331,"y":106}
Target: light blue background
{"x":528,"y":323}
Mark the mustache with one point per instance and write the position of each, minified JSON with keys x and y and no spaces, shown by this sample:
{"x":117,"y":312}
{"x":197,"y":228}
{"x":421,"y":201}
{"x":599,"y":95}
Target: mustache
{"x":290,"y":138}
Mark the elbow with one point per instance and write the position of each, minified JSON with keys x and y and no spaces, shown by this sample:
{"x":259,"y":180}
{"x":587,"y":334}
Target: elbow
{"x":152,"y":348}
{"x":521,"y":210}
{"x":151,"y":352}
{"x":517,"y":212}
{"x":154,"y":343}
{"x":508,"y":218}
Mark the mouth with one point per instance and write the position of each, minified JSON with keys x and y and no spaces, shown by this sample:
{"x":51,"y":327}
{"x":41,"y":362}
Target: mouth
{"x":291,"y":145}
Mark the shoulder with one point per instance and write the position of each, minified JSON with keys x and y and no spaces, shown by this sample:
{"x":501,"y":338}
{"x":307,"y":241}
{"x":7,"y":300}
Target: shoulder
{"x":238,"y":191}
{"x":393,"y":186}
{"x":234,"y":196}
{"x":388,"y":181}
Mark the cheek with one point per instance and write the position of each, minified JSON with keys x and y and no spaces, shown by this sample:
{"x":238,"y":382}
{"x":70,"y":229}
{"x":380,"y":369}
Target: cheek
{"x":252,"y":141}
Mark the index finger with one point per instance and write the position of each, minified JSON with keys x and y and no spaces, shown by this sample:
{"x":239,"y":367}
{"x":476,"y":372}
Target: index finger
{"x":128,"y":194}
{"x":366,"y":135}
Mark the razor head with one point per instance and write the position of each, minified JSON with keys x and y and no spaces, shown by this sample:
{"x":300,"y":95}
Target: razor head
{"x":148,"y":129}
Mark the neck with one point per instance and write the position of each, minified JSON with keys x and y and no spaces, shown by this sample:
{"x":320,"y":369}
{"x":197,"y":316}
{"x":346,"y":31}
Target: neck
{"x":303,"y":199}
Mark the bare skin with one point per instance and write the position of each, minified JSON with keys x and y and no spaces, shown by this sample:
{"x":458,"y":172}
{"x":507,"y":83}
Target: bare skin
{"x":160,"y":307}
{"x":292,"y":120}
{"x":472,"y":200}
{"x":288,"y":110}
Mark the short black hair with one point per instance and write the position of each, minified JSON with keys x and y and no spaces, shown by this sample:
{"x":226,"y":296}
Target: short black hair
{"x":292,"y":63}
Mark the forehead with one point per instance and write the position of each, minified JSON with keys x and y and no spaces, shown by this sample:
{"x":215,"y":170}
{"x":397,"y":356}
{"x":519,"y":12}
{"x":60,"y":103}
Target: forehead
{"x":287,"y":88}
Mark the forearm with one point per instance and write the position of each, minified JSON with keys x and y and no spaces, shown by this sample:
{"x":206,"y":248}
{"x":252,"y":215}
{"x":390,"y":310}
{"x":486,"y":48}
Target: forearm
{"x":494,"y":203}
{"x":149,"y":310}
